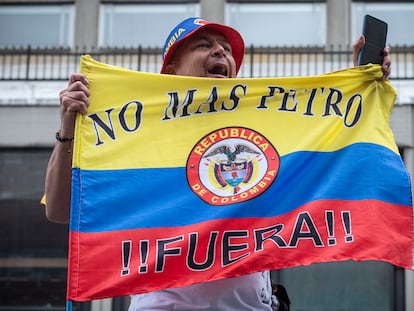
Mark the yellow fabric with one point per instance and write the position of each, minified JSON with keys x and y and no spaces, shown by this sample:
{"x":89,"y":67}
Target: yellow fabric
{"x":113,"y":88}
{"x":43,"y":199}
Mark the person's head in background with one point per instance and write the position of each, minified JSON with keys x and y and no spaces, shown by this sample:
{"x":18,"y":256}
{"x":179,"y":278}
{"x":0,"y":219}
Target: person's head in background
{"x":198,"y":48}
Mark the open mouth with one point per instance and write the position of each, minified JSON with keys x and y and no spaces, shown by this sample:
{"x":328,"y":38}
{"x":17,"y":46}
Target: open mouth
{"x":218,"y":69}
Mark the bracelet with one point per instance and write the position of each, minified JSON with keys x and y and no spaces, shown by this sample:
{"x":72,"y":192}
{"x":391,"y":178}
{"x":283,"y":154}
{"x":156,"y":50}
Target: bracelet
{"x":62,"y":139}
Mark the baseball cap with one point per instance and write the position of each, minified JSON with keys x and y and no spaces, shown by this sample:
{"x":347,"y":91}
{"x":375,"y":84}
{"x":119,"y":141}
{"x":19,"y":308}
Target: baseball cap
{"x":192,"y":25}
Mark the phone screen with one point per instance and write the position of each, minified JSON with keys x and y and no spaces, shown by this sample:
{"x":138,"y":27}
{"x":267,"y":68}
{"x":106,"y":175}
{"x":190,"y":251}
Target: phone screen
{"x":375,"y":32}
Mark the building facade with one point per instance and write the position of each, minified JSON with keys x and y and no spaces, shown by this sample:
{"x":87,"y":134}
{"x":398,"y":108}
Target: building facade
{"x":33,"y":251}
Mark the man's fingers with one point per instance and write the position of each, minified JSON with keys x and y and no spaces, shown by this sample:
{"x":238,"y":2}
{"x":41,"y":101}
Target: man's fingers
{"x":78,"y":77}
{"x":386,"y":63}
{"x":74,"y":101}
{"x":78,"y":85}
{"x":357,"y":46}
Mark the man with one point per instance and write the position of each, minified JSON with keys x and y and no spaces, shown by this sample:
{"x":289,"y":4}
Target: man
{"x":194,"y":48}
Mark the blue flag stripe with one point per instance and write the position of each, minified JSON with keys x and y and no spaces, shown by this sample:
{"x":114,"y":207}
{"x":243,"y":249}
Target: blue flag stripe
{"x":121,"y":199}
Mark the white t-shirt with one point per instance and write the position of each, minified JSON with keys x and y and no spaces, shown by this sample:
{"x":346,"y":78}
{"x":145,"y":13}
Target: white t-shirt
{"x":249,"y":292}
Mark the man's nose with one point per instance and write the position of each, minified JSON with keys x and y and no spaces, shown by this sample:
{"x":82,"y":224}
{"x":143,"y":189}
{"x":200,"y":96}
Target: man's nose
{"x":218,"y":49}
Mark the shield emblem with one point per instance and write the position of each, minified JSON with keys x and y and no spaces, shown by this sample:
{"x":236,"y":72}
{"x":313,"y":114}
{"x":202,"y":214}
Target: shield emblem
{"x":233,"y":174}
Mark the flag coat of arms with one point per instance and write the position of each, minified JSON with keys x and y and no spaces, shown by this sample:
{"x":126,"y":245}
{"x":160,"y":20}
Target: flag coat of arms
{"x":182,"y":180}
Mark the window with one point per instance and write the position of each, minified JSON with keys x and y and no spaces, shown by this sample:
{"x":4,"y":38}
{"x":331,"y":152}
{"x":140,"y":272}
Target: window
{"x":38,"y":26}
{"x":398,"y":15}
{"x":33,"y":250}
{"x":145,"y":25}
{"x":279,"y":24}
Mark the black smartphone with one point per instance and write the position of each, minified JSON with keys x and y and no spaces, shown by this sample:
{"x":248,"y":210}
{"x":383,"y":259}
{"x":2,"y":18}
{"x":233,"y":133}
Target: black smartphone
{"x":375,"y":32}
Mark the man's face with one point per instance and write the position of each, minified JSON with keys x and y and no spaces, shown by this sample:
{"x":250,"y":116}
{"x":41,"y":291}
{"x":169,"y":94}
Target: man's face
{"x":205,"y":54}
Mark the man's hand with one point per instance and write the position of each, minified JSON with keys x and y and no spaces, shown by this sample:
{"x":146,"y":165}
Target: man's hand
{"x":73,"y":99}
{"x":386,"y":63}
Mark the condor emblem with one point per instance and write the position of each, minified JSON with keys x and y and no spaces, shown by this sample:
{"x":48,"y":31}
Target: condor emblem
{"x":231,"y":165}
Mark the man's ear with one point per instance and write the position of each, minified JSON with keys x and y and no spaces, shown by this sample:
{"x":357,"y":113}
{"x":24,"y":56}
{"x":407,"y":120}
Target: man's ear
{"x":170,"y":69}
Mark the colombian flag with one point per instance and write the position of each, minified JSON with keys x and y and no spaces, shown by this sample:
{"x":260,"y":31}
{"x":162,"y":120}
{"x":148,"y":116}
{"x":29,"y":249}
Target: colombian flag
{"x":180,"y":180}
